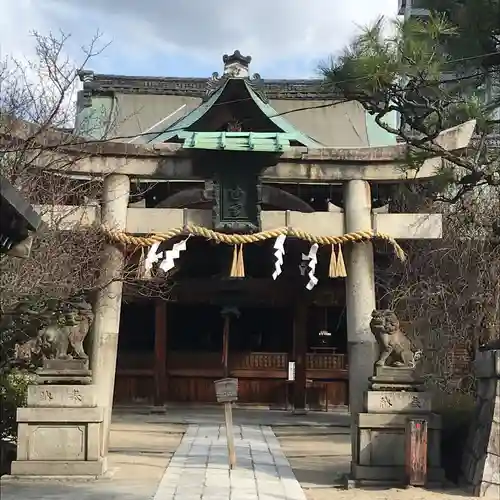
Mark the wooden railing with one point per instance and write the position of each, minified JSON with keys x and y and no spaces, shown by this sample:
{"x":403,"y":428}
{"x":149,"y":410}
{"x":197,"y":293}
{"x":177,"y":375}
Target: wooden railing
{"x":135,"y":361}
{"x":262,"y":376}
{"x":259,"y":361}
{"x":237,"y":361}
{"x":199,"y":360}
{"x":326,"y":361}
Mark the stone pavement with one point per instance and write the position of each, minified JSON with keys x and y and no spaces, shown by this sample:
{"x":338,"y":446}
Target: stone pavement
{"x":139,"y":454}
{"x":214,"y":415}
{"x":199,"y":468}
{"x":142,"y":445}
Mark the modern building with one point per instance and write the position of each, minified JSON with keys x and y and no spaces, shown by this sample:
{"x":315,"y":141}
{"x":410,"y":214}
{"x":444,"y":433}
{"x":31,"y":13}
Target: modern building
{"x":415,"y":9}
{"x":412,"y":8}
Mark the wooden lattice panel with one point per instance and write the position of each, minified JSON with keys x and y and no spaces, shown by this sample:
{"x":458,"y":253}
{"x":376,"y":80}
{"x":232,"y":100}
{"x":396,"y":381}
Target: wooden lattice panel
{"x":326,"y":361}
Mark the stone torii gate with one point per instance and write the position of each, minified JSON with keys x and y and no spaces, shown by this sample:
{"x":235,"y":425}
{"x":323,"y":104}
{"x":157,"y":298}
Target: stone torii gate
{"x":118,"y":163}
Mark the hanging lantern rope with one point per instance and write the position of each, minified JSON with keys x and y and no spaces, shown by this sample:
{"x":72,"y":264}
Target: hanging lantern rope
{"x":238,"y":240}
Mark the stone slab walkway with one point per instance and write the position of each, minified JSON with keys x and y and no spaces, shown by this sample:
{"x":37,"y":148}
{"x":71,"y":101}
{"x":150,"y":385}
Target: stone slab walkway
{"x":199,"y":468}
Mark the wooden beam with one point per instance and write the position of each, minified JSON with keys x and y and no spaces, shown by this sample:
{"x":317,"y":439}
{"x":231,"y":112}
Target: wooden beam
{"x":160,"y":362}
{"x":300,"y":357}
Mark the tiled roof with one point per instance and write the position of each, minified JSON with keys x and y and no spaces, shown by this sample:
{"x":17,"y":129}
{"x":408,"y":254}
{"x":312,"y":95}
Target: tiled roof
{"x":197,"y":87}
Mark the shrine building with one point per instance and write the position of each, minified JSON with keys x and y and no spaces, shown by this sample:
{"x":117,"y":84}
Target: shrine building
{"x":250,"y":155}
{"x":245,"y":221}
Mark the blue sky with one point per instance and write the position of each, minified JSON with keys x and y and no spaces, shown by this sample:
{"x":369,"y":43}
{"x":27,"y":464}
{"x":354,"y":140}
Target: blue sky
{"x":286,"y":38}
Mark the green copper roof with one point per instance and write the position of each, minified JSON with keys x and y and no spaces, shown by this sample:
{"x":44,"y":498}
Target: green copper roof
{"x":188,"y":121}
{"x":282,"y":122}
{"x":377,"y":136}
{"x":237,"y":141}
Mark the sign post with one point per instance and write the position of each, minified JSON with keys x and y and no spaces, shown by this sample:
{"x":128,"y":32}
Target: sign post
{"x":226,"y":390}
{"x":416,"y":452}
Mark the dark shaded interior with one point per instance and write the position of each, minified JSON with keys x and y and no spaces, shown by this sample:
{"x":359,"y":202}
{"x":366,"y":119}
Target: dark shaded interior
{"x":199,"y":327}
{"x":235,"y":103}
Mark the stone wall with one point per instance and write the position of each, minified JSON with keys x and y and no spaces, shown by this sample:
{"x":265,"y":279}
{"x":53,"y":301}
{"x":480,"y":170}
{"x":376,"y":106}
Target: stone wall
{"x":481,"y":464}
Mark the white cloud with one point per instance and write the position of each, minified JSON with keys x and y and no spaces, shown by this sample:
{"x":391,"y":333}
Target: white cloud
{"x":16,"y":21}
{"x":274,"y":32}
{"x":29,"y":83}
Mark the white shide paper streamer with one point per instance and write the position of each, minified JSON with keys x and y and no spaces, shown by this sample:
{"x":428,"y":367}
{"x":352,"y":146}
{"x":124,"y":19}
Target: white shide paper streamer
{"x":312,"y":259}
{"x":169,"y":256}
{"x":279,"y":246}
{"x":172,"y":255}
{"x":152,"y":257}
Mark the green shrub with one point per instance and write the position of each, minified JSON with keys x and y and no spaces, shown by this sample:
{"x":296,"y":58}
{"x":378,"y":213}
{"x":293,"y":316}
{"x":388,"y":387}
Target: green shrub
{"x":13,"y":394}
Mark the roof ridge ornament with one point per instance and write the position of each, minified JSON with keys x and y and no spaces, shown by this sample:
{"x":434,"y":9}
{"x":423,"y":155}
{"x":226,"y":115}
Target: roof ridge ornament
{"x":236,"y":65}
{"x":213,"y":83}
{"x":84,"y":99}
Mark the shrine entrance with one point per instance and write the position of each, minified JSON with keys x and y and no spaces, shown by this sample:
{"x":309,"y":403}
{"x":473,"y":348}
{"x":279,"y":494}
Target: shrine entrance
{"x":172,"y":351}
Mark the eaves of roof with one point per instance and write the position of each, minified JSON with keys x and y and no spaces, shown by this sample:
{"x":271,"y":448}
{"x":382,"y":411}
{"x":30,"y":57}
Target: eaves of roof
{"x":307,"y":89}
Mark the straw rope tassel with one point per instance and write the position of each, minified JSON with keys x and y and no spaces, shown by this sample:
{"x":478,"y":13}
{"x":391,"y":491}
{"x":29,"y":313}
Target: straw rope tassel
{"x":332,"y":270}
{"x":341,"y":269}
{"x":141,"y":266}
{"x":241,"y":263}
{"x":234,"y":265}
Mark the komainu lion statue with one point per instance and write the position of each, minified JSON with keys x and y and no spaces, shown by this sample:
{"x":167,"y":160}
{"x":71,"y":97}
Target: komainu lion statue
{"x":395,"y":347}
{"x":61,"y":341}
{"x":66,"y":341}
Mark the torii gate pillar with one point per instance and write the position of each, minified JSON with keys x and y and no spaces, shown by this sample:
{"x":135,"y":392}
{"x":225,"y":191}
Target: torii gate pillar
{"x":360,"y":296}
{"x":107,"y":306}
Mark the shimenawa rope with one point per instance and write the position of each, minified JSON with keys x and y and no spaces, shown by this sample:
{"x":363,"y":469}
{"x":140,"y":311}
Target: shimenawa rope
{"x":243,"y":239}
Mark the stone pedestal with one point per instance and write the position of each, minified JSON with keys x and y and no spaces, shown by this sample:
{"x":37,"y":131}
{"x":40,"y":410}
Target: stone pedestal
{"x":381,"y":428}
{"x":388,"y":378}
{"x":481,"y":462}
{"x":59,"y":432}
{"x":64,"y":371}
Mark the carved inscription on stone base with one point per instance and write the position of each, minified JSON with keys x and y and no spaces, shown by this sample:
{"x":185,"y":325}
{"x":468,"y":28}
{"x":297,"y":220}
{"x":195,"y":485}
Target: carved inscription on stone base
{"x":397,"y":402}
{"x":59,"y":433}
{"x":62,"y":396}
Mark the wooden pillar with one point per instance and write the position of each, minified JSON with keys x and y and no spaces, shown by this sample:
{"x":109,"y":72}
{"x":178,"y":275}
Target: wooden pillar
{"x":416,"y":452}
{"x":225,"y":346}
{"x":299,"y":356}
{"x":160,"y":363}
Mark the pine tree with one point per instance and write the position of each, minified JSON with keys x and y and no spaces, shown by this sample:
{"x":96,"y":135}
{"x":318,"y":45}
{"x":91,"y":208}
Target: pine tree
{"x":433,"y":78}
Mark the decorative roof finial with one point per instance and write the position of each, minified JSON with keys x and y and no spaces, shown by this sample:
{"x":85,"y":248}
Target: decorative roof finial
{"x":236,"y":65}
